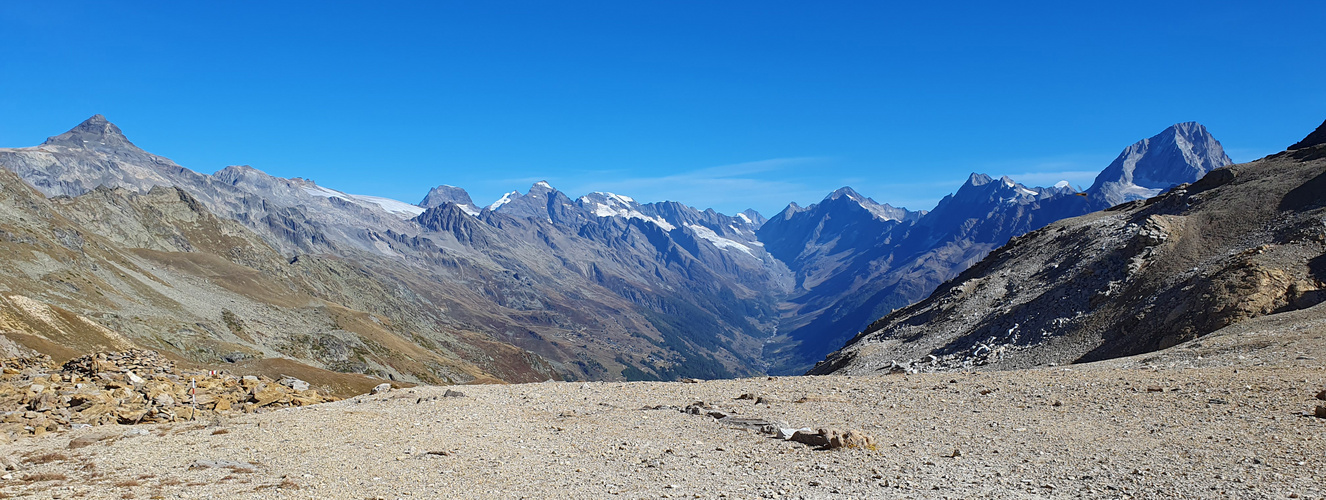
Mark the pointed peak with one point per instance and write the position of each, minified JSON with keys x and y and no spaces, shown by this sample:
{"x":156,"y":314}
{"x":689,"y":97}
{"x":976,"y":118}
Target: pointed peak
{"x":540,"y":187}
{"x":845,"y":191}
{"x":976,"y":179}
{"x":94,"y":133}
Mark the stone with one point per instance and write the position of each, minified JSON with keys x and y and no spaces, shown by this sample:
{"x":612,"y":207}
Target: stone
{"x":381,"y":388}
{"x":266,"y":394}
{"x":453,"y":394}
{"x":858,"y":439}
{"x":164,"y":399}
{"x":1322,"y":395}
{"x":133,"y":378}
{"x":820,"y":438}
{"x":294,"y":383}
{"x":1321,"y":412}
{"x":249,"y":381}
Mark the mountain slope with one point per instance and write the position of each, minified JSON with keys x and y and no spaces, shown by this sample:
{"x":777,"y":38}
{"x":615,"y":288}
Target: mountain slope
{"x":1244,"y":241}
{"x":113,"y":269}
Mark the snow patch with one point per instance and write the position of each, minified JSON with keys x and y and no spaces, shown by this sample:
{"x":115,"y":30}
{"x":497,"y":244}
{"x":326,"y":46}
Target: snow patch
{"x":745,"y":218}
{"x":718,"y":241}
{"x":396,"y":207}
{"x":623,"y":206}
{"x":1062,"y":184}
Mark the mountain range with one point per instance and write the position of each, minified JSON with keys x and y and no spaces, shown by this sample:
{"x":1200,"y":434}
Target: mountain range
{"x":1244,"y":241}
{"x":129,"y":248}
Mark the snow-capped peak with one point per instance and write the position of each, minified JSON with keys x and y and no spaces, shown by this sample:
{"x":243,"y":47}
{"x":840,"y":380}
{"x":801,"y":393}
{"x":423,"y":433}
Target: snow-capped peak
{"x":604,"y":204}
{"x":506,"y":198}
{"x":1062,"y":184}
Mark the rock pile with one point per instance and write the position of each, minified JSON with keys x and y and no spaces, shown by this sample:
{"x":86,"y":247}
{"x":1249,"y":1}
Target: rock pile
{"x":130,"y":387}
{"x":824,"y":439}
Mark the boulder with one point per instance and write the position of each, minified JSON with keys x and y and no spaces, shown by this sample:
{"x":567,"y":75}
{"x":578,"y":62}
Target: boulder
{"x":294,"y":383}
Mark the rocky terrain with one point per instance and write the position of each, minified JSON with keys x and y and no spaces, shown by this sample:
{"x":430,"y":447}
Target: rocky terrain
{"x":1244,"y":241}
{"x":1228,"y":416}
{"x":131,"y":387}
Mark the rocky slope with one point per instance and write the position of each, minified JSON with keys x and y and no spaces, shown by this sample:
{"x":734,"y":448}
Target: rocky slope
{"x":113,"y":269}
{"x":1244,"y":241}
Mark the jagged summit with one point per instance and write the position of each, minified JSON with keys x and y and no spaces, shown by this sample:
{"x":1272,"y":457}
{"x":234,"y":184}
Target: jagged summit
{"x":94,"y":133}
{"x":976,"y":179}
{"x":883,"y":211}
{"x":1181,"y":153}
{"x":1317,"y":137}
{"x":445,"y":193}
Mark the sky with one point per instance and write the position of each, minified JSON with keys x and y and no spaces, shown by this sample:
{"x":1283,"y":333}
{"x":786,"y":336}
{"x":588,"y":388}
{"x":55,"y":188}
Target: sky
{"x":726,"y":105}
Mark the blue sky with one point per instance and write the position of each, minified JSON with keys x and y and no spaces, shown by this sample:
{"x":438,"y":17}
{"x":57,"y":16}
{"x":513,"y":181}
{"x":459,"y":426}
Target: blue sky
{"x":716,"y":104}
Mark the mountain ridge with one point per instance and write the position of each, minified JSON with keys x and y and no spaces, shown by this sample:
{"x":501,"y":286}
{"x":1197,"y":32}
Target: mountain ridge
{"x":674,"y":291}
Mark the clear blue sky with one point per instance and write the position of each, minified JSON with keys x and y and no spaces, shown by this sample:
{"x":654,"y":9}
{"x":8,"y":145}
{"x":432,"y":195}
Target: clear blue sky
{"x":715,"y":104}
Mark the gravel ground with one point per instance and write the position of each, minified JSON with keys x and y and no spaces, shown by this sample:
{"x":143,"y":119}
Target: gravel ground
{"x":1122,"y":429}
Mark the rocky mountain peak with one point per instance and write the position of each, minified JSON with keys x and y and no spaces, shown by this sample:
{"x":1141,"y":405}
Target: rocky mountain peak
{"x":976,"y":179}
{"x":1317,"y":137}
{"x":443,"y":194}
{"x":1183,"y":152}
{"x":541,"y":187}
{"x":94,"y":133}
{"x":845,"y":192}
